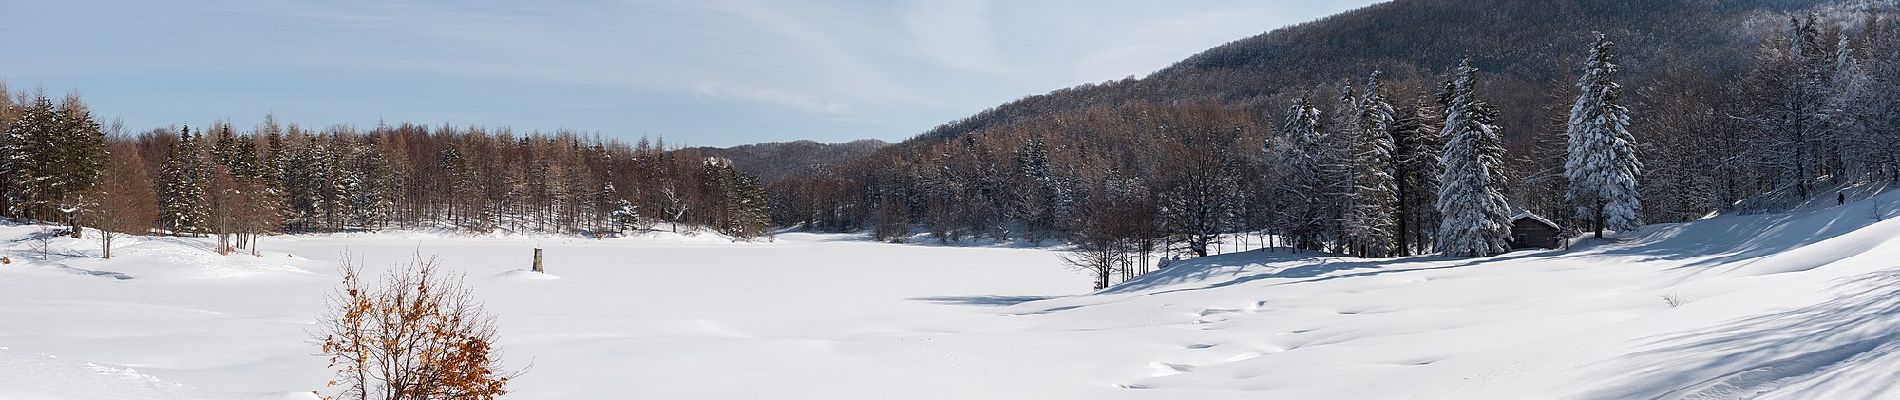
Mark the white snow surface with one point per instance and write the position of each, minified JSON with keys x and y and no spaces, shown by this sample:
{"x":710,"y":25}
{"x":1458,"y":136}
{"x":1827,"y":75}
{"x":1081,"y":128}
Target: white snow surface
{"x":1784,"y":306}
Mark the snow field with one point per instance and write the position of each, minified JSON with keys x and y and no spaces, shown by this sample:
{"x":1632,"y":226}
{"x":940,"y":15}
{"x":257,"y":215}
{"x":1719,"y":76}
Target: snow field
{"x":1790,"y":306}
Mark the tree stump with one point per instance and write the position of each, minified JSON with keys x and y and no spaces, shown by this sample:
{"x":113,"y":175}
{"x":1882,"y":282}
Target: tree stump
{"x":537,"y":260}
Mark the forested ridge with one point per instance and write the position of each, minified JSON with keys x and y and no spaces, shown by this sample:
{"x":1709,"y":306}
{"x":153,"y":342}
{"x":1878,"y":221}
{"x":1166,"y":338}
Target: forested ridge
{"x":778,"y":160}
{"x":1723,"y":101}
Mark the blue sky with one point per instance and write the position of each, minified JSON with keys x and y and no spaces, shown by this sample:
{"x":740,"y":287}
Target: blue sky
{"x":708,"y":72}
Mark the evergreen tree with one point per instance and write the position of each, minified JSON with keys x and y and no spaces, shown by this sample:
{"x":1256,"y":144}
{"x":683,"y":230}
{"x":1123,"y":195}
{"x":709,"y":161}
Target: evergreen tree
{"x":224,"y":146}
{"x":181,"y":195}
{"x":1418,"y":143}
{"x":366,"y":183}
{"x":1476,"y":215}
{"x":306,"y":178}
{"x":1602,"y":166}
{"x":1374,"y":197}
{"x":747,"y":210}
{"x":53,"y":156}
{"x":1036,"y":207}
{"x":273,"y":159}
{"x":622,"y":214}
{"x":1306,"y":216}
{"x":78,"y":162}
{"x":1337,"y":170}
{"x":29,"y":146}
{"x":248,"y":164}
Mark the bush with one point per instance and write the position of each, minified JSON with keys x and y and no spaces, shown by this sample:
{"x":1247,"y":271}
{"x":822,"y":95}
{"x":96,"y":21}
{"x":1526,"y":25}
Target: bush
{"x":418,"y":335}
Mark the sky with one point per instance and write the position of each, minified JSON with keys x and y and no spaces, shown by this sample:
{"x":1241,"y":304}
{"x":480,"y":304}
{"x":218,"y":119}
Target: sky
{"x":700,"y":72}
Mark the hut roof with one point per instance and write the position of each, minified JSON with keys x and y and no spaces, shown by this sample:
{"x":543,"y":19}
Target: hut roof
{"x":1534,"y":217}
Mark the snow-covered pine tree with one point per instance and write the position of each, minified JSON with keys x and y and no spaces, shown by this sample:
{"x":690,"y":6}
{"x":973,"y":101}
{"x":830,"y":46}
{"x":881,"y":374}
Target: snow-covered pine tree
{"x":224,"y":146}
{"x":1035,"y":207}
{"x":307,"y":176}
{"x":333,"y":190}
{"x":77,"y":162}
{"x":247,"y":163}
{"x":1336,"y":168}
{"x":626,"y":215}
{"x":28,"y":145}
{"x":12,"y":136}
{"x":272,"y":159}
{"x":181,"y":192}
{"x":1418,"y":144}
{"x":1304,"y":187}
{"x":748,"y":213}
{"x":1475,"y":213}
{"x":367,"y":182}
{"x":1369,"y":224}
{"x":1602,"y":165}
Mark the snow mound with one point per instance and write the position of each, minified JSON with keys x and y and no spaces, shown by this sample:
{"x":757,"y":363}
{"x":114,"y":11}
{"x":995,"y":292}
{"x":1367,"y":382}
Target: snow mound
{"x":525,"y":274}
{"x":178,"y":258}
{"x":36,"y":249}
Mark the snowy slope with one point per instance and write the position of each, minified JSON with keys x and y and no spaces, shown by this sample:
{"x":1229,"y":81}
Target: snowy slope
{"x":1767,"y":306}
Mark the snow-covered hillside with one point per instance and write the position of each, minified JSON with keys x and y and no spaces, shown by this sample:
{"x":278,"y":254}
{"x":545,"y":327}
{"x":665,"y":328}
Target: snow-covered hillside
{"x":1772,"y":306}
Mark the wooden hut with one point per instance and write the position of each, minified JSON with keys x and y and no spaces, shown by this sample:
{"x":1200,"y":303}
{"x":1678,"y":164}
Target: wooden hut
{"x":1529,"y":231}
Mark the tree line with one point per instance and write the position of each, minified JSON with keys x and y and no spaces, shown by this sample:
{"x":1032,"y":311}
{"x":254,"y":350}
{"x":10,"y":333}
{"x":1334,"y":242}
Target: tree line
{"x":1346,"y":168}
{"x":60,"y":164}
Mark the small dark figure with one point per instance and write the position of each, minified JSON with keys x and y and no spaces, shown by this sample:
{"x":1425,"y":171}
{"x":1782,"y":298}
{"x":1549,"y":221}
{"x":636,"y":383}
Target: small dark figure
{"x":1840,"y":199}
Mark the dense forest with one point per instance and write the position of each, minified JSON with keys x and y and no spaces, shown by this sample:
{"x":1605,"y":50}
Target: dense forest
{"x":1727,"y":101}
{"x":775,"y":161}
{"x":60,"y":164}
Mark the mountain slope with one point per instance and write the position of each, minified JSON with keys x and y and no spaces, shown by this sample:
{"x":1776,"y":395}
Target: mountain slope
{"x":1523,"y":47}
{"x":774,"y":161}
{"x":1699,"y":77}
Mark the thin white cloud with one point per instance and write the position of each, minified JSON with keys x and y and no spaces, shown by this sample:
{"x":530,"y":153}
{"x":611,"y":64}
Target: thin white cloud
{"x":817,"y":46}
{"x":614,"y":65}
{"x":956,"y":33}
{"x":804,"y":102}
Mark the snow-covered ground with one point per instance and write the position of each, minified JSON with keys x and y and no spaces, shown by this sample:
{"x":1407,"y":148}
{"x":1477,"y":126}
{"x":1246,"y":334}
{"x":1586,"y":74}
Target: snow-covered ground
{"x":1793,"y":306}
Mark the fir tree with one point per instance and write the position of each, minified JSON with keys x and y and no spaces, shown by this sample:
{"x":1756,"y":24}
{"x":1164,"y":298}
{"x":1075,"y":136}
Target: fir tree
{"x":182,"y":202}
{"x":78,"y":162}
{"x":29,"y":144}
{"x":1475,"y":213}
{"x":1419,"y":143}
{"x":1602,"y":166}
{"x":273,"y":158}
{"x":747,"y":210}
{"x":1036,"y":208}
{"x":365,"y":186}
{"x":1369,"y":224}
{"x":224,"y":146}
{"x":1306,"y":216}
{"x":307,"y":174}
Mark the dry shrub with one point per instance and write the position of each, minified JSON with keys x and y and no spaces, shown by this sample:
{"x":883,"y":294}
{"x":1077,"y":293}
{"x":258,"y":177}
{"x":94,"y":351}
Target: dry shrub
{"x":417,"y":335}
